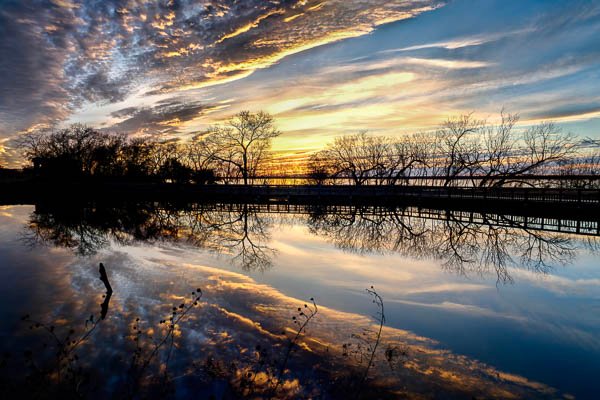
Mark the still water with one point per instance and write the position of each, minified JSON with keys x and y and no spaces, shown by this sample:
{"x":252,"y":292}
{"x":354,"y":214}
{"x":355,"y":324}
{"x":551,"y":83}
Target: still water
{"x":473,"y":306}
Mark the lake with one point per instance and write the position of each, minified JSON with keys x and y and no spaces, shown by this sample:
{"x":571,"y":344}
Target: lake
{"x":470,"y":305}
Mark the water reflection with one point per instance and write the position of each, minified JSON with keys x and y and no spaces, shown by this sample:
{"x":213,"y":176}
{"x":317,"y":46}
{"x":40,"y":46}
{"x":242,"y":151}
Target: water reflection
{"x":464,"y":243}
{"x":234,"y":229}
{"x":234,"y":341}
{"x":482,"y":245}
{"x":237,"y":338}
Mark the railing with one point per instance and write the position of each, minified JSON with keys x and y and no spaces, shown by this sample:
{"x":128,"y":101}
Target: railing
{"x":549,"y":181}
{"x":583,"y":225}
{"x":579,"y":190}
{"x":512,"y":194}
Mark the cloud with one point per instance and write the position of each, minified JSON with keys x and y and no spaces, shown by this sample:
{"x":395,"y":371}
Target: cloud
{"x":58,"y":55}
{"x":469,"y":309}
{"x":237,"y":313}
{"x":569,"y":111}
{"x":460,"y":42}
{"x":31,"y":65}
{"x":254,"y":35}
{"x":449,"y":64}
{"x":561,"y":285}
{"x":165,"y":117}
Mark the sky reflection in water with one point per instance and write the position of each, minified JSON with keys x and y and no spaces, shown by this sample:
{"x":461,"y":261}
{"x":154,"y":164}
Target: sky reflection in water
{"x":464,"y":330}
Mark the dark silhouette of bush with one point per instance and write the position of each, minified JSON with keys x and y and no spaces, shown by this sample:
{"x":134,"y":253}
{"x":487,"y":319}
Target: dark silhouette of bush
{"x":174,"y":171}
{"x":204,"y":177}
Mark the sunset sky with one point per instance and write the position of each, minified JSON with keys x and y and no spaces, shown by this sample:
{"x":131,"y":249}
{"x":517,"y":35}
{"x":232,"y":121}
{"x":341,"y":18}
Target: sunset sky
{"x":322,"y":67}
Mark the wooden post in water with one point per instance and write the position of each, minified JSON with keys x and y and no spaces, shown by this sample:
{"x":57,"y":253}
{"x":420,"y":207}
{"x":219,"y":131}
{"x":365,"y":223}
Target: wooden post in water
{"x":104,"y":279}
{"x":109,"y":291}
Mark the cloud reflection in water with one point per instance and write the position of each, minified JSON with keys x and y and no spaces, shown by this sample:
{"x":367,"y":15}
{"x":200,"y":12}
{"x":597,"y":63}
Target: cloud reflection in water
{"x":238,"y":313}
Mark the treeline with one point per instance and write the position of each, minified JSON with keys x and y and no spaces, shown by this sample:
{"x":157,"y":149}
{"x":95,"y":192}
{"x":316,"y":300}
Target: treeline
{"x":238,"y":148}
{"x":462,"y":148}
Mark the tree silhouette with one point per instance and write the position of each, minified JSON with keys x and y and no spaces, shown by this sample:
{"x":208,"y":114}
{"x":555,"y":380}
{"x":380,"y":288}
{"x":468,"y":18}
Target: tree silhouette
{"x":244,"y":142}
{"x":363,"y":158}
{"x":466,"y":146}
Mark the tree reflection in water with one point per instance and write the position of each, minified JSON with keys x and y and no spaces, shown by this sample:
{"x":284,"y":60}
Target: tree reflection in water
{"x":488,"y":244}
{"x":234,"y":229}
{"x":230,"y":347}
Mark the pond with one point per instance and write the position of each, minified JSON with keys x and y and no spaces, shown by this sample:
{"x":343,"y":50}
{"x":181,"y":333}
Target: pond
{"x":280,"y":301}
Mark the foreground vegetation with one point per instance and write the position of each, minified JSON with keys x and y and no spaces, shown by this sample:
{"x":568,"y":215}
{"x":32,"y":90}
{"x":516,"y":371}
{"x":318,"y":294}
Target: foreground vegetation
{"x":193,"y":347}
{"x":61,"y":361}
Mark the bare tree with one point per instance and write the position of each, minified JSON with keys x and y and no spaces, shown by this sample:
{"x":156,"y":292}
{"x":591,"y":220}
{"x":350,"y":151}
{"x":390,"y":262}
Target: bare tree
{"x":357,"y":157}
{"x":583,"y":165}
{"x":362,"y":157}
{"x":499,"y":148}
{"x":497,"y":155}
{"x":403,"y":157}
{"x":457,"y":148}
{"x":244,"y":142}
{"x":319,"y":168}
{"x":540,"y":149}
{"x":545,"y":144}
{"x":161,"y":152}
{"x":137,"y":155}
{"x":197,"y":155}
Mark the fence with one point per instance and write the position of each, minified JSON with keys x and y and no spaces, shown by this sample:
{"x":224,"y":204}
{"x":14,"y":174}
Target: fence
{"x":372,"y":192}
{"x":547,"y":181}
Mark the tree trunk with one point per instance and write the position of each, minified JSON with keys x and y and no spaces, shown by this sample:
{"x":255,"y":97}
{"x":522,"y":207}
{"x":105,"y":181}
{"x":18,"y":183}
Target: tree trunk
{"x":245,"y":168}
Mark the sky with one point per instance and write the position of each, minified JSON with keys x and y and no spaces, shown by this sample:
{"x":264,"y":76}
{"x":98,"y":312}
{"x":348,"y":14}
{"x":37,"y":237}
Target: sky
{"x":323,"y":68}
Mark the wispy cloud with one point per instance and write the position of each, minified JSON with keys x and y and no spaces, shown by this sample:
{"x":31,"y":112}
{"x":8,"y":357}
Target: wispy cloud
{"x":461,"y":308}
{"x":449,"y":64}
{"x":164,"y":118}
{"x":460,"y":42}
